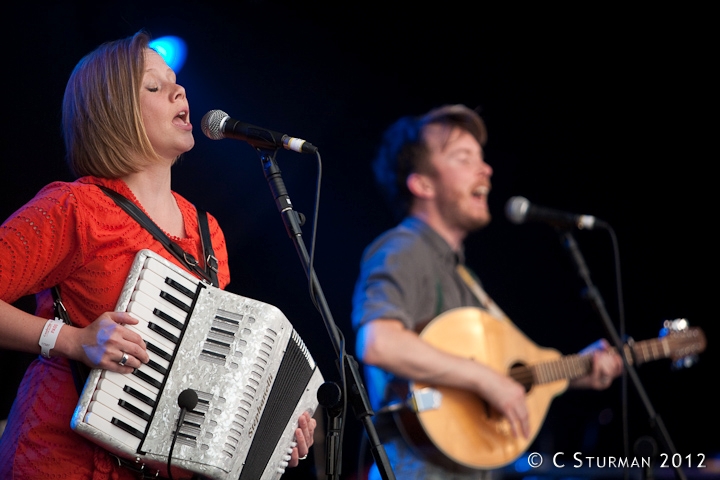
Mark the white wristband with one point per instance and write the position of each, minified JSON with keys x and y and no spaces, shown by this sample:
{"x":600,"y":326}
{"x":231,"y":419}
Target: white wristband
{"x":49,"y":335}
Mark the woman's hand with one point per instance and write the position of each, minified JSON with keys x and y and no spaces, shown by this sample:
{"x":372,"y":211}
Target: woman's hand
{"x":107,"y":344}
{"x":304,"y":438}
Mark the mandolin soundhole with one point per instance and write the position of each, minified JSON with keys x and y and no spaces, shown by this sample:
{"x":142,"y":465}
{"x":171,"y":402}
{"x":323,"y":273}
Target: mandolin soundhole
{"x":522,"y":374}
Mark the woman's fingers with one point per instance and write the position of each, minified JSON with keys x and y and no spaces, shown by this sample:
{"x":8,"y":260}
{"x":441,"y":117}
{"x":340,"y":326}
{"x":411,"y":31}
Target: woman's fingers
{"x":108,"y":344}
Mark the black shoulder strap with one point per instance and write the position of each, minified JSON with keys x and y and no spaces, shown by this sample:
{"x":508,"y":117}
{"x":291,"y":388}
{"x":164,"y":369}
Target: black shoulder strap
{"x":211,"y":263}
{"x":79,"y":370}
{"x":184,"y":257}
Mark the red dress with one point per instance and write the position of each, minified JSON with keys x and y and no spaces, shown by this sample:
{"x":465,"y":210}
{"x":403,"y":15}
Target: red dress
{"x":75,"y":236}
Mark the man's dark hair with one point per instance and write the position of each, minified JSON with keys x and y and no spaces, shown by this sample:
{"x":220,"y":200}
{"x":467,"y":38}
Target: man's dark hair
{"x":403,"y":150}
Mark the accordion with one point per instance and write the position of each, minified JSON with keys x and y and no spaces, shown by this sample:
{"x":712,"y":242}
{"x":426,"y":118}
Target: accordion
{"x":251,"y":371}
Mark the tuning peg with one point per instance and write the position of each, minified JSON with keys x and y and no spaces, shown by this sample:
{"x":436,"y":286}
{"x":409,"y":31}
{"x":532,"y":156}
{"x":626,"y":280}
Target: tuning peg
{"x":685,"y":362}
{"x":677,"y":325}
{"x":680,"y":325}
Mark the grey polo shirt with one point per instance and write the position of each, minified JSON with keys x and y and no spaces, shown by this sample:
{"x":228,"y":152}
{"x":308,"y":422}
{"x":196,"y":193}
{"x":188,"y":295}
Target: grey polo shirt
{"x":409,"y":273}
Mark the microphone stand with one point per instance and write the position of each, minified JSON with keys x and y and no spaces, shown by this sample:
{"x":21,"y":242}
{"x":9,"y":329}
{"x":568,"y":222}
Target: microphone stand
{"x":346,"y":363}
{"x":593,"y":294}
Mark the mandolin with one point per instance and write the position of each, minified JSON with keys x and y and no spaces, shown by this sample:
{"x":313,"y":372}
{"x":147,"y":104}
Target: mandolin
{"x":457,"y":429}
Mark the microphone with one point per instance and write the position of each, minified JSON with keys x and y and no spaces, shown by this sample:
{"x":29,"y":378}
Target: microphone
{"x":187,"y":400}
{"x":519,"y":210}
{"x":217,"y":124}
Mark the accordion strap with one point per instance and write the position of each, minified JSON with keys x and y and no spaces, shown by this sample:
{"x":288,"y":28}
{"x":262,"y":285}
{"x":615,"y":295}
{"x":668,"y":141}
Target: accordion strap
{"x":188,"y":260}
{"x":211,"y":263}
{"x":79,"y":370}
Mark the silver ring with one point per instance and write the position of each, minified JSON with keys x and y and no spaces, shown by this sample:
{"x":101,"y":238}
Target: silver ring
{"x":302,"y":458}
{"x":124,"y":359}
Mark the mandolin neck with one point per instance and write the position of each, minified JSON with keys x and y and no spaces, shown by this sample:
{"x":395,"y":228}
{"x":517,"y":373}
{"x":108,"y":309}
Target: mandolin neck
{"x":575,"y":366}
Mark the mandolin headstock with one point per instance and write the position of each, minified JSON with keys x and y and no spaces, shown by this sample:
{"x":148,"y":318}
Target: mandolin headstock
{"x":684,"y":342}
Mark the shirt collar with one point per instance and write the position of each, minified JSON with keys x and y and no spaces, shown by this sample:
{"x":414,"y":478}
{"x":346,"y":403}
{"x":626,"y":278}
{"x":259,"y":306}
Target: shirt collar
{"x":437,"y":242}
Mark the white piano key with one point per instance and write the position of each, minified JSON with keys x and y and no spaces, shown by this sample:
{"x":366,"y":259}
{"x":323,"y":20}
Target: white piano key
{"x":145,"y":316}
{"x":146,"y":370}
{"x":109,"y":383}
{"x":186,"y":279}
{"x":150,"y":298}
{"x":154,"y":357}
{"x":130,"y":379}
{"x":108,"y":414}
{"x":115,"y":432}
{"x":117,"y":393}
{"x":112,"y":403}
{"x":168,"y":284}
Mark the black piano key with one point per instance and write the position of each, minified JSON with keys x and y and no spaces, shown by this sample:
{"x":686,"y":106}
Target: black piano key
{"x":164,"y":333}
{"x":180,"y":288}
{"x":131,"y":430}
{"x":175,"y":301}
{"x":160,"y":314}
{"x":143,"y":398}
{"x":157,"y":367}
{"x":158,"y":351}
{"x":133,"y":409}
{"x":148,"y":379}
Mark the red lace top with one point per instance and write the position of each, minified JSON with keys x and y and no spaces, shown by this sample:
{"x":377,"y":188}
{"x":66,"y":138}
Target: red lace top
{"x":75,"y":236}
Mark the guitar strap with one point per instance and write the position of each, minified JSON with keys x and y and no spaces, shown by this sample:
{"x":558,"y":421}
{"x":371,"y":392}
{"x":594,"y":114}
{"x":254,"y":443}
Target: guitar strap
{"x":493,"y":309}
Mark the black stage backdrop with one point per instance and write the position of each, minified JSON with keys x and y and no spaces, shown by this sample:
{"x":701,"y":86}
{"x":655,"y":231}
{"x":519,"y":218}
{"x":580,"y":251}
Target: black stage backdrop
{"x":591,"y":110}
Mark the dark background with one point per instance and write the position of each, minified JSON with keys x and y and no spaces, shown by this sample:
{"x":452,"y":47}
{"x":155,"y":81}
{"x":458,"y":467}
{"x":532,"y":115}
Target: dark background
{"x":591,"y":110}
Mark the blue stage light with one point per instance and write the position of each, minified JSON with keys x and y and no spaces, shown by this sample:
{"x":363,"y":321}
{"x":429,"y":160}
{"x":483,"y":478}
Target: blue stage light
{"x":521,"y":464}
{"x":172,"y":50}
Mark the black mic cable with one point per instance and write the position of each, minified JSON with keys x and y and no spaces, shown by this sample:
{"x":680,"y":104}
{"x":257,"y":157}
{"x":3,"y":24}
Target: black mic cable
{"x":187,"y":400}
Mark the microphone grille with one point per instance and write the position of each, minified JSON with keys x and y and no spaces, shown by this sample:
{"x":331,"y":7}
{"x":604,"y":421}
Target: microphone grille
{"x":516,"y":209}
{"x":211,"y":124}
{"x":188,"y":399}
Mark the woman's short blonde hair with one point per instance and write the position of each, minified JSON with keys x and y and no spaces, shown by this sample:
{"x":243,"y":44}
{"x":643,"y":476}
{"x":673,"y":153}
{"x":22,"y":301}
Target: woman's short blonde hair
{"x":102,"y":121}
